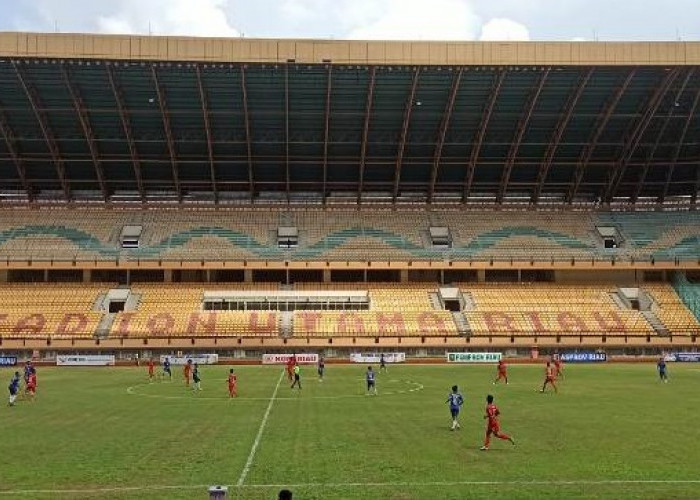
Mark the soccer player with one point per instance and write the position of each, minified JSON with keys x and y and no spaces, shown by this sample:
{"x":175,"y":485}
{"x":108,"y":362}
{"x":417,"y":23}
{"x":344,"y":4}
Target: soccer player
{"x":291,"y":363}
{"x":661,"y":367}
{"x":382,"y":363}
{"x":371,"y":381}
{"x":232,"y":384}
{"x":456,"y":401}
{"x":14,"y":388}
{"x":27,"y":371}
{"x":151,"y":369}
{"x":558,"y":367}
{"x":297,"y":377}
{"x":549,"y":378}
{"x":502,"y":372}
{"x":493,"y":427}
{"x":187,"y":372}
{"x":195,"y":378}
{"x":166,"y":369}
{"x":31,"y":384}
{"x":321,"y":368}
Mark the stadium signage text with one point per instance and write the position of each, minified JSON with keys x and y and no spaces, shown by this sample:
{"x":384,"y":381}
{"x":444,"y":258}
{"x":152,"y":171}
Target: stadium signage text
{"x":8,"y":360}
{"x":685,"y":357}
{"x":389,"y":357}
{"x":554,"y":323}
{"x":90,"y":360}
{"x":583,"y":357}
{"x":281,"y":359}
{"x":200,"y":359}
{"x":474,"y":357}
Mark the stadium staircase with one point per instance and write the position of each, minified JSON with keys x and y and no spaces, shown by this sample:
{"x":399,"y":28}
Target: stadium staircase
{"x":462,"y":324}
{"x":105,"y":326}
{"x":688,"y":292}
{"x":287,"y":324}
{"x":615,"y":296}
{"x":656,"y":323}
{"x":435,"y":301}
{"x":468,"y":303}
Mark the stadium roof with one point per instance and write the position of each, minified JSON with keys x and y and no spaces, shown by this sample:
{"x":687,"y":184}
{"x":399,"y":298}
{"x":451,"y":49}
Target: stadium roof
{"x":183,"y":119}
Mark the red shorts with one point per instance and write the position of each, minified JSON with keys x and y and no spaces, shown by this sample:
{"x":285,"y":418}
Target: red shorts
{"x":31,"y":388}
{"x":502,"y":373}
{"x":231,"y":388}
{"x":549,"y":380}
{"x":493,"y":428}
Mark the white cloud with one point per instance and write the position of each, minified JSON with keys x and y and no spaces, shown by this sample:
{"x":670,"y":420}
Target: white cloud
{"x":503,"y":29}
{"x":412,"y":20}
{"x":168,"y":17}
{"x":579,"y":39}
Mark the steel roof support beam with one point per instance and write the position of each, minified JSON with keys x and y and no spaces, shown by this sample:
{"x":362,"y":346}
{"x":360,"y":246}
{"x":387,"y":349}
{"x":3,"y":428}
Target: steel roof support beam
{"x":476,"y":148}
{"x":48,"y":136}
{"x":647,"y":163}
{"x":165,"y":115}
{"x":126,"y":126}
{"x":679,"y":146}
{"x":9,"y":139}
{"x":522,"y":127}
{"x":286,"y":134}
{"x":559,"y":133}
{"x":618,"y":172}
{"x":326,"y":128}
{"x":248,"y":143}
{"x":365,"y":132}
{"x":87,"y":131}
{"x":444,"y":125}
{"x":207,"y":129}
{"x":408,"y":110}
{"x":602,"y":122}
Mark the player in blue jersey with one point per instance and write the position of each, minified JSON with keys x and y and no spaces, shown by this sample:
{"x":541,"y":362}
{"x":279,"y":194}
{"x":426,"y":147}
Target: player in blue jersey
{"x":456,"y":400}
{"x":14,"y":388}
{"x":166,"y":369}
{"x":321,"y":368}
{"x":382,"y":363}
{"x":371,"y":381}
{"x":661,"y":367}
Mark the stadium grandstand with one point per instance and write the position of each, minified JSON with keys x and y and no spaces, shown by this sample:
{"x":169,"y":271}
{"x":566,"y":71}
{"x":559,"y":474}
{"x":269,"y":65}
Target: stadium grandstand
{"x":246,"y":196}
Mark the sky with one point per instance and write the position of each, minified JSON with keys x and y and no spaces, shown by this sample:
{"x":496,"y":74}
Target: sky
{"x":562,"y":20}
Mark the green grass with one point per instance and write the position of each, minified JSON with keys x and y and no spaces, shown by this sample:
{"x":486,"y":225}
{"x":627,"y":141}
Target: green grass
{"x":608,"y":423}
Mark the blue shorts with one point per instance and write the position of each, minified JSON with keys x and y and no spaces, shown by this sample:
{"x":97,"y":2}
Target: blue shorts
{"x":370,"y":384}
{"x":454,"y":412}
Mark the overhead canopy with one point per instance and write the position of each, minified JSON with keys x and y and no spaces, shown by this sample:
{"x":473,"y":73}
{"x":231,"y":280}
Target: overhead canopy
{"x":188,"y":130}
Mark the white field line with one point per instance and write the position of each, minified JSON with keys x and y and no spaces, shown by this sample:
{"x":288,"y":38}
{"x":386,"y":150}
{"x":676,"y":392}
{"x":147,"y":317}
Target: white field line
{"x":256,"y":443}
{"x":408,"y":484}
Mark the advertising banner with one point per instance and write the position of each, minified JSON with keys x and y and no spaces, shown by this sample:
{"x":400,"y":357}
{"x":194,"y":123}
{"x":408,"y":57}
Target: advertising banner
{"x":474,"y":357}
{"x":685,"y":357}
{"x":374,"y":357}
{"x":87,"y":360}
{"x":8,"y":360}
{"x":583,"y":357}
{"x":200,"y":359}
{"x":281,"y":359}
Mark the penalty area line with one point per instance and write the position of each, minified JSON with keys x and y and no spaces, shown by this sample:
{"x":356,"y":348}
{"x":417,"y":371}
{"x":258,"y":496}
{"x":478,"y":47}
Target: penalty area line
{"x":407,"y":484}
{"x":256,"y":443}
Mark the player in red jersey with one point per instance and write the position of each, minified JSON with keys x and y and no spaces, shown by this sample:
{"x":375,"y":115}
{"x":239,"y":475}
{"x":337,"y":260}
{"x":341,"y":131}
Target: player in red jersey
{"x":549,"y":378}
{"x":151,"y":369}
{"x":502,"y":372}
{"x":493,"y":427}
{"x":31,"y":384}
{"x":232,"y":384}
{"x":291,"y":363}
{"x":558,"y":367}
{"x":187,"y":372}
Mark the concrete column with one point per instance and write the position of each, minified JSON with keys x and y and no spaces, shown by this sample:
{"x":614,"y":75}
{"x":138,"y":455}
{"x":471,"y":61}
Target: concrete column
{"x":3,"y":276}
{"x":87,"y":276}
{"x":46,"y":275}
{"x":248,"y":275}
{"x":403,"y":275}
{"x":481,"y":275}
{"x":168,"y":275}
{"x":326,"y":275}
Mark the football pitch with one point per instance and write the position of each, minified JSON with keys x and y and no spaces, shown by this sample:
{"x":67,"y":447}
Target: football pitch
{"x":613,"y":431}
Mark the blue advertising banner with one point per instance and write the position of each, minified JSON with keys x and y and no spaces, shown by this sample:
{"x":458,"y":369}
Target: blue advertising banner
{"x":8,"y":360}
{"x":583,"y":357}
{"x":686,"y":357}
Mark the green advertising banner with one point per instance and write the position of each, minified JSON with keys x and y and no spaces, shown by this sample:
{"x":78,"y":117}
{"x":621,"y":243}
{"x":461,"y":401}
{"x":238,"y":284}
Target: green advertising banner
{"x":474,"y":357}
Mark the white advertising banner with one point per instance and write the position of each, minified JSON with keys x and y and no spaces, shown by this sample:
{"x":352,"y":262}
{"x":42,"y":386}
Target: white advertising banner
{"x":87,"y":360}
{"x":200,"y":359}
{"x":474,"y":357}
{"x":281,"y":359}
{"x":374,"y":357}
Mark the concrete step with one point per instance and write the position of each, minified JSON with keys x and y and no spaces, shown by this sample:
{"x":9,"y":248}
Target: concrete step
{"x":105,"y":325}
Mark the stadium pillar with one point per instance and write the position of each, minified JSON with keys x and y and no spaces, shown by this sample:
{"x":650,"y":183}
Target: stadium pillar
{"x":168,"y":275}
{"x":3,"y":276}
{"x":481,"y":275}
{"x":46,"y":275}
{"x":326,"y":275}
{"x":87,"y":276}
{"x":248,"y":275}
{"x":403,"y":275}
